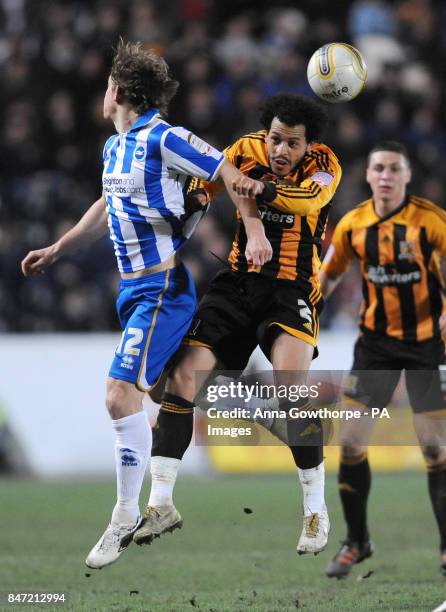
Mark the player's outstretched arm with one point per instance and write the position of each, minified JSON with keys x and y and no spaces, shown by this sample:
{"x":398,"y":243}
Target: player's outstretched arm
{"x":91,"y":227}
{"x":237,"y":182}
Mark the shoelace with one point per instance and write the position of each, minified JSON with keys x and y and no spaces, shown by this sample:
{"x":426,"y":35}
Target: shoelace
{"x":114,"y":535}
{"x":111,"y":536}
{"x":150,"y":511}
{"x":311,"y":525}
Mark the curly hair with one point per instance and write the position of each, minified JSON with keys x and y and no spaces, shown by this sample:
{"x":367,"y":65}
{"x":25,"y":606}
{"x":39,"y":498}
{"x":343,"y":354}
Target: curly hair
{"x":293,"y":109}
{"x":143,"y":77}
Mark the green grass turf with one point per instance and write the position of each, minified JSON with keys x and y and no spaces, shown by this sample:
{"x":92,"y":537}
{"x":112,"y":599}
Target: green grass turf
{"x":223,"y":558}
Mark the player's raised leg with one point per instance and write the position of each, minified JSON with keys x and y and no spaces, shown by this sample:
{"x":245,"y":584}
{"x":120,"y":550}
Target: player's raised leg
{"x":291,"y":358}
{"x":132,"y":443}
{"x":171,"y":437}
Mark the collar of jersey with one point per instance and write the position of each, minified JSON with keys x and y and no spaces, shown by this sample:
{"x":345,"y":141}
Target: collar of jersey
{"x":392,"y":213}
{"x":143,"y":120}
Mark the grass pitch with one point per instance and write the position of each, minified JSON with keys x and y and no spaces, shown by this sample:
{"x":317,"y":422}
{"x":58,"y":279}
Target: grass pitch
{"x":224,"y":558}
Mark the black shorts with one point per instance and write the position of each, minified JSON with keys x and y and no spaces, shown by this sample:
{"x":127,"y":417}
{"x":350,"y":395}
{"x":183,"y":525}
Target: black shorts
{"x":377,"y":366}
{"x":241,"y":310}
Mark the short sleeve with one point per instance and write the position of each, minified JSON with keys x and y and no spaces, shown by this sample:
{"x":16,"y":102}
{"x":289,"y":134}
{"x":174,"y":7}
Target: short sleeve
{"x":436,"y":231}
{"x":188,"y":154}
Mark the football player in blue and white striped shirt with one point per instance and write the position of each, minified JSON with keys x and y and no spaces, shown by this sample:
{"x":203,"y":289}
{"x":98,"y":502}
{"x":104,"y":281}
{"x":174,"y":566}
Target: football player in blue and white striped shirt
{"x":147,"y":168}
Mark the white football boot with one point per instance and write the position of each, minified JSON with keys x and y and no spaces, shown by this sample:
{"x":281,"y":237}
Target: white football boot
{"x":314,"y":534}
{"x":112,"y":544}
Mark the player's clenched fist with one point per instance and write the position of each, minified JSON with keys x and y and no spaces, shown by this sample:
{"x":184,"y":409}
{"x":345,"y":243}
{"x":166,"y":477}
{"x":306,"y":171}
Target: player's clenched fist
{"x":36,"y":262}
{"x":248,"y":187}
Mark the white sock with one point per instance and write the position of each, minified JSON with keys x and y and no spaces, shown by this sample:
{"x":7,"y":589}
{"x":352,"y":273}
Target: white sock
{"x":164,"y":472}
{"x":313,"y":485}
{"x":132,"y":448}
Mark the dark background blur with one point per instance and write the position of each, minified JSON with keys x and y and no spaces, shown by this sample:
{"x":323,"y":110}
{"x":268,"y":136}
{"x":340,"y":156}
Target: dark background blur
{"x":54,"y":62}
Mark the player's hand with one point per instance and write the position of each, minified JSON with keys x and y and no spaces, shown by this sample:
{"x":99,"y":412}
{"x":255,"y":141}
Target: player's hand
{"x":196,"y":199}
{"x":36,"y":262}
{"x":247,"y":187}
{"x":194,"y":202}
{"x":200,"y":199}
{"x":442,"y":324}
{"x":258,"y":250}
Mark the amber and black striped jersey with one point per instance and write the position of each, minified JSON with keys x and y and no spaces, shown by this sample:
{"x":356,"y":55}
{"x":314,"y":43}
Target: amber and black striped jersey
{"x":295,"y":214}
{"x":399,"y":256}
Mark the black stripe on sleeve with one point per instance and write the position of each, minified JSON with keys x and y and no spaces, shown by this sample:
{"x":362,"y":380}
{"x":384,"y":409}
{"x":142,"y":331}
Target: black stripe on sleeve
{"x":238,"y":161}
{"x":255,"y":136}
{"x":309,"y":194}
{"x":349,"y":238}
{"x":326,"y":161}
{"x":321,"y":159}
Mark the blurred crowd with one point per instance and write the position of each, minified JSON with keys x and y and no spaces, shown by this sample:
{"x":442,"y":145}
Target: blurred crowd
{"x":54,"y":61}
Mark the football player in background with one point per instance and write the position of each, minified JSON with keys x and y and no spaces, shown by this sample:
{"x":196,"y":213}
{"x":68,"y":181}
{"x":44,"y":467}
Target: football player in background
{"x":398,"y":239}
{"x":275,"y":304}
{"x":146,"y":178}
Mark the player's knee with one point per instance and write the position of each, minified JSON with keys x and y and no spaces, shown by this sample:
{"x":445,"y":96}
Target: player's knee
{"x":350,"y":452}
{"x":117,"y":399}
{"x":352,"y":440}
{"x":182,"y":383}
{"x":434,"y":454}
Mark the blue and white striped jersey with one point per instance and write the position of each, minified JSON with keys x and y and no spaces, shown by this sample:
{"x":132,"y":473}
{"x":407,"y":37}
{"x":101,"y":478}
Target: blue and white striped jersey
{"x":144,"y":180}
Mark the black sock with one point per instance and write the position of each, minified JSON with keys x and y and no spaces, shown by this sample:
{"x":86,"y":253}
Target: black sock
{"x":173,"y":429}
{"x":436,"y":478}
{"x":305,"y":438}
{"x":354,"y":481}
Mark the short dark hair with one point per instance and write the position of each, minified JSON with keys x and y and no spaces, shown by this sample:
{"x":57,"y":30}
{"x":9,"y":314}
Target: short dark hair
{"x":389,"y":145}
{"x":143,"y":77}
{"x":294,"y":109}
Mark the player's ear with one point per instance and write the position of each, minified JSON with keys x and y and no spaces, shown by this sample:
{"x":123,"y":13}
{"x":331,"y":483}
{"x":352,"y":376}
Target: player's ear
{"x":118,"y":95}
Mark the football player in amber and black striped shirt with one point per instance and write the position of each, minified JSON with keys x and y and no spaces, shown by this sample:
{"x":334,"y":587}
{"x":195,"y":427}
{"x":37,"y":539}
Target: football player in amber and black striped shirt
{"x":398,"y":240}
{"x":274,"y":303}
